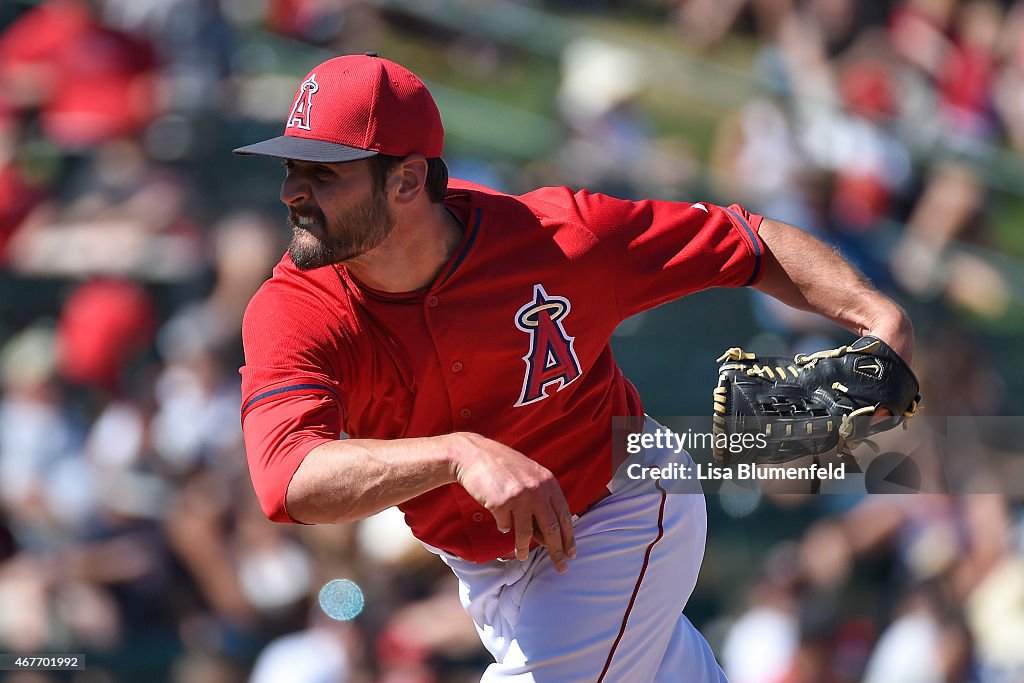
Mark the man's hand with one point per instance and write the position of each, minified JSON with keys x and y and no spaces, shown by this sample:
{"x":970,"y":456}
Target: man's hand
{"x":893,"y":326}
{"x":520,"y":493}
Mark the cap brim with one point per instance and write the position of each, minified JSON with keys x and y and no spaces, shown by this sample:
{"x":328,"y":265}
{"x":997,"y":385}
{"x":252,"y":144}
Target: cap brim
{"x":304,"y":149}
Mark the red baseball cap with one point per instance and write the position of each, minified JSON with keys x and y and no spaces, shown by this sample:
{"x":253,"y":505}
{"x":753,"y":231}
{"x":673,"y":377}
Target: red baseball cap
{"x":353,"y":107}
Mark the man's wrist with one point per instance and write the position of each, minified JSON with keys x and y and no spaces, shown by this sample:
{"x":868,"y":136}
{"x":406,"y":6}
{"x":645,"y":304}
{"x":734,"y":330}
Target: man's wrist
{"x":892,"y":325}
{"x":453,"y":448}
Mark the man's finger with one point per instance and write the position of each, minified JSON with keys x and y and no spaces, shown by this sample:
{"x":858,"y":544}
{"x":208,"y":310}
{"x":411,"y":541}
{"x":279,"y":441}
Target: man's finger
{"x":523,"y":523}
{"x":566,"y":528}
{"x":503,"y":519}
{"x":551,"y":531}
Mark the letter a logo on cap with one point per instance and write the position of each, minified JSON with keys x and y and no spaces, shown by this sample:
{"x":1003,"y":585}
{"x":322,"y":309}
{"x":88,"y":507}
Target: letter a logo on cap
{"x":303,"y":103}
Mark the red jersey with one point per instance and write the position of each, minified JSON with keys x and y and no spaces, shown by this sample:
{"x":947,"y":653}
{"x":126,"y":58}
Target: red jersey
{"x":510,"y":341}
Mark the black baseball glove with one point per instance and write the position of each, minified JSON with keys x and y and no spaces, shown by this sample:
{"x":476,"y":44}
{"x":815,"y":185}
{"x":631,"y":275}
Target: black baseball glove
{"x":810,"y":404}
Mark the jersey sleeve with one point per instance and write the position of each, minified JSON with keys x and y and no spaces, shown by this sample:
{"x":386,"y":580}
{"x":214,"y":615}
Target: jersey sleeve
{"x":658,"y":251}
{"x":291,"y":390}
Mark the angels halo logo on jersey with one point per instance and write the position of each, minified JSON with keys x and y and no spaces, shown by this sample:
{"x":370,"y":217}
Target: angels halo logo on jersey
{"x":299,"y":116}
{"x":551,"y":358}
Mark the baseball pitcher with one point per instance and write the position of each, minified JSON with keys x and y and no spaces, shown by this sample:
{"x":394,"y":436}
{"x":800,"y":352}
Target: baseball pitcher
{"x":459,"y":338}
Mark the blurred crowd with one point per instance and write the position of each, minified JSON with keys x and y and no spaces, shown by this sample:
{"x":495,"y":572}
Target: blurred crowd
{"x":130,"y":245}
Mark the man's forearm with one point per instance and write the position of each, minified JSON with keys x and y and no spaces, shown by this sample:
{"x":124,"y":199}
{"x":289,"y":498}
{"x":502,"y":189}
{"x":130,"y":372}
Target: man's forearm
{"x":346,"y":480}
{"x":351,"y":479}
{"x":803,"y":272}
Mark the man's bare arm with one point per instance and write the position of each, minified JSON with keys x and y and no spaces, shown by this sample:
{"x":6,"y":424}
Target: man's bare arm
{"x":351,"y":479}
{"x":803,"y":272}
{"x":340,"y":481}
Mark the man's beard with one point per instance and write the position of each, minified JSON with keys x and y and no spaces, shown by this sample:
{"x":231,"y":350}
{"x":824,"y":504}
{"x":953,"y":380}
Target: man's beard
{"x":348,"y":236}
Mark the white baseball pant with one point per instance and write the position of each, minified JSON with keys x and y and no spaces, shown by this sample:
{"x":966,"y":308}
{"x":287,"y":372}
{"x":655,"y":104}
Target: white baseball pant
{"x":616,"y":615}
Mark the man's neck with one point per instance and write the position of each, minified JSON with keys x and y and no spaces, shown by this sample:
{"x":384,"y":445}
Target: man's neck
{"x":413,"y":255}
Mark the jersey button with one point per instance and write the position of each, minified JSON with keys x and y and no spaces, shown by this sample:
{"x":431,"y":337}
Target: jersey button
{"x":478,"y":516}
{"x":465,"y":413}
{"x":457,"y":366}
{"x":433,"y":301}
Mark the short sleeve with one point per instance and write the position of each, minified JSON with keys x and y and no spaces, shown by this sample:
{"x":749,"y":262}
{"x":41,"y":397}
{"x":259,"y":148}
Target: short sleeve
{"x":279,"y":434}
{"x":658,"y":251}
{"x":291,"y":390}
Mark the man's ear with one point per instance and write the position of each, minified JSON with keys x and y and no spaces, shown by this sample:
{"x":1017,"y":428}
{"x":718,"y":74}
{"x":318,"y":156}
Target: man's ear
{"x":409,"y":178}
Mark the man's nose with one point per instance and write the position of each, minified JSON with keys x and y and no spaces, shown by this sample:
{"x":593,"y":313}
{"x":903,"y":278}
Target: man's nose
{"x":294,"y":190}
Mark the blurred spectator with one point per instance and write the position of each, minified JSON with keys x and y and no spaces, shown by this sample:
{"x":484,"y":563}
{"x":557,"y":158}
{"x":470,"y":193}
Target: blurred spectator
{"x":1008,"y":85}
{"x":968,"y":71}
{"x":192,"y":41}
{"x":18,"y":193}
{"x":703,"y":23}
{"x":927,"y":261}
{"x":610,"y":146}
{"x":350,"y":23}
{"x":104,"y":324}
{"x":762,"y":643}
{"x":316,"y":655}
{"x":121,"y":215}
{"x":996,"y":620}
{"x":89,"y":83}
